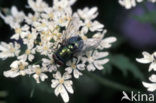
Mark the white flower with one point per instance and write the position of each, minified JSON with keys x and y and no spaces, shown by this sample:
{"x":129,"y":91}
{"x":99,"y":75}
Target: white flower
{"x":42,"y":25}
{"x":37,"y":5}
{"x":29,"y":53}
{"x":151,"y":86}
{"x":15,"y":17}
{"x":50,"y":31}
{"x":148,"y":58}
{"x":63,"y":19}
{"x":50,"y":35}
{"x":74,"y":67}
{"x":39,"y":73}
{"x":88,"y":14}
{"x":19,"y":31}
{"x":62,"y":84}
{"x":106,"y":42}
{"x":153,"y":1}
{"x":92,"y":26}
{"x":49,"y":64}
{"x":30,"y":37}
{"x":17,"y":68}
{"x":44,"y":48}
{"x":129,"y":3}
{"x":9,"y":50}
{"x":63,"y":4}
{"x":94,"y":60}
{"x":32,"y":18}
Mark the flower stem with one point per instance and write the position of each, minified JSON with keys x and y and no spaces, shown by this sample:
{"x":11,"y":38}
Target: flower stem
{"x":37,"y":62}
{"x":110,"y":83}
{"x":32,"y":92}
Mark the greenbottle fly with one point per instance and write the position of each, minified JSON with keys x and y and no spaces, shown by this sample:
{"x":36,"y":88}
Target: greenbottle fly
{"x":72,"y":44}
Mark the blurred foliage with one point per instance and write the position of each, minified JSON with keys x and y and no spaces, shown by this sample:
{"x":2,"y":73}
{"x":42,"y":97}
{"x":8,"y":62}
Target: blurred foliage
{"x":125,"y":65}
{"x":3,"y":93}
{"x":149,"y":17}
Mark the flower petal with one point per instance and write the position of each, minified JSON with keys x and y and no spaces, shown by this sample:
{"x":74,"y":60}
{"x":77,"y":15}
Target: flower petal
{"x":146,"y":59}
{"x":54,"y":83}
{"x":11,"y":74}
{"x":66,"y":76}
{"x":58,"y":89}
{"x":68,"y":85}
{"x":36,"y":77}
{"x":43,"y":76}
{"x":152,"y":66}
{"x":90,"y":67}
{"x":64,"y":95}
{"x":152,"y":78}
{"x":81,"y":66}
{"x":69,"y":70}
{"x":57,"y":75}
{"x":150,"y":86}
{"x":76,"y":73}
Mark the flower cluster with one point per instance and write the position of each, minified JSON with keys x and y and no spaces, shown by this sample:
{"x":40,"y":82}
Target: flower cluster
{"x":42,"y":33}
{"x":149,"y":58}
{"x":128,"y":4}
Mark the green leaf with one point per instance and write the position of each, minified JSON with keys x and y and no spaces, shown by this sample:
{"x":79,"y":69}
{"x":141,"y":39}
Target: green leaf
{"x":3,"y":94}
{"x":124,"y":64}
{"x":110,"y":83}
{"x":43,"y":86}
{"x":108,"y":68}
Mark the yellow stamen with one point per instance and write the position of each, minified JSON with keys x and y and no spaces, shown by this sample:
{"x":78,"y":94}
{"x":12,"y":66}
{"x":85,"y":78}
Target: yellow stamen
{"x":21,"y":66}
{"x":45,"y":48}
{"x":12,"y":50}
{"x":38,"y":71}
{"x":61,"y":20}
{"x":34,"y":18}
{"x":29,"y":36}
{"x":51,"y":15}
{"x":27,"y":52}
{"x":73,"y":66}
{"x":88,"y":24}
{"x":84,"y":37}
{"x":61,"y":81}
{"x":43,"y":25}
{"x":18,"y":30}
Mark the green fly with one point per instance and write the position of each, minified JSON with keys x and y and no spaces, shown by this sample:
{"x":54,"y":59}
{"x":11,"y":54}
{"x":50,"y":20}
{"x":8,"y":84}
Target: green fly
{"x":72,"y":44}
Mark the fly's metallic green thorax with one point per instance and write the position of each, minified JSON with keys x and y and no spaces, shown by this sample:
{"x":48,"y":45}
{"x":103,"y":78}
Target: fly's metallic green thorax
{"x":68,"y":50}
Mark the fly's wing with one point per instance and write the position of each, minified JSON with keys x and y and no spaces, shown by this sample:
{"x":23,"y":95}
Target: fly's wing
{"x":91,"y":44}
{"x":72,"y":28}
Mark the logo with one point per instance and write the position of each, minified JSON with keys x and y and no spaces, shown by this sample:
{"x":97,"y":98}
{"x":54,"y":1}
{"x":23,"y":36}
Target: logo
{"x":138,"y":97}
